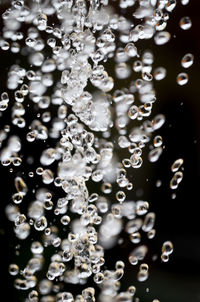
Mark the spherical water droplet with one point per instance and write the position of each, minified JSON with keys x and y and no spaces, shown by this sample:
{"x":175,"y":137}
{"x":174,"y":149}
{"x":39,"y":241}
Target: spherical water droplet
{"x":165,"y":258}
{"x":182,"y":78}
{"x":167,"y":248}
{"x":187,"y":60}
{"x":120,"y":196}
{"x":157,"y":141}
{"x":185,"y":23}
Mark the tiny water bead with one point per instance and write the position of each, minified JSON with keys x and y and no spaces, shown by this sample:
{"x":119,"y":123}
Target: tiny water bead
{"x":167,"y":248}
{"x":89,"y":135}
{"x":177,"y":177}
{"x":182,"y":78}
{"x":157,"y":141}
{"x":185,"y":23}
{"x":187,"y":60}
{"x":177,"y":164}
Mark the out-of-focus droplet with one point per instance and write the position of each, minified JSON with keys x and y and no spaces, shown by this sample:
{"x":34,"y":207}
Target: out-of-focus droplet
{"x":20,"y":185}
{"x":155,"y":154}
{"x":157,"y":141}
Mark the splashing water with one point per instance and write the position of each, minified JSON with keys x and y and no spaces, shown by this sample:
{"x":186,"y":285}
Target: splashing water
{"x":83,"y":121}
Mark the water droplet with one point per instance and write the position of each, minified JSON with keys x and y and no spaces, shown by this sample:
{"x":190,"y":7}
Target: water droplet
{"x":185,"y":23}
{"x":176,"y":165}
{"x":167,"y":248}
{"x":182,"y":78}
{"x":187,"y":60}
{"x":157,"y":141}
{"x":162,"y":37}
{"x":185,"y":2}
{"x":13,"y":269}
{"x":155,"y":154}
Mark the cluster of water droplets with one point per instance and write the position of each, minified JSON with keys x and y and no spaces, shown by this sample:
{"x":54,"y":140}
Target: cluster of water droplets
{"x":188,"y":59}
{"x":88,"y":123}
{"x":178,"y":175}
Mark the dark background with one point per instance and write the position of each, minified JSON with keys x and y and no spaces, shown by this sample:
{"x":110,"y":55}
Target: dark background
{"x":177,"y":219}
